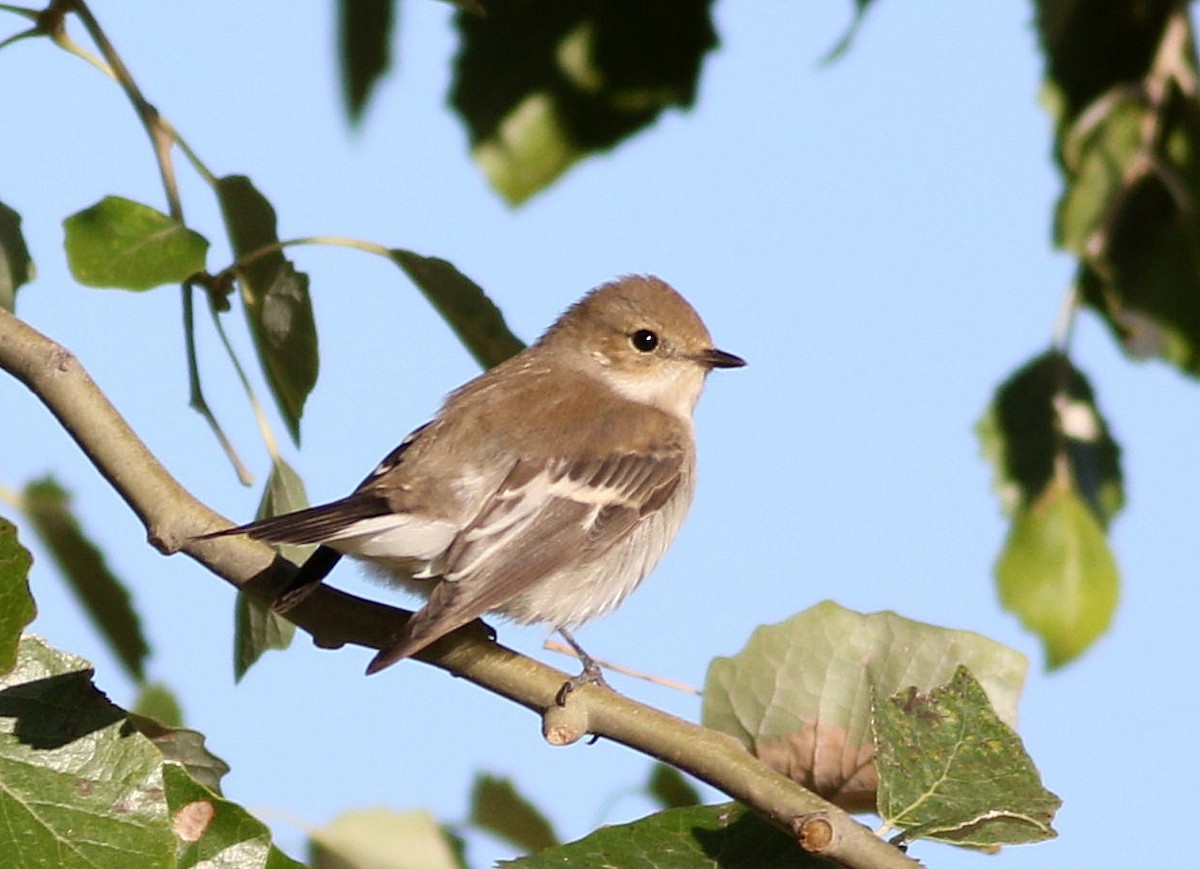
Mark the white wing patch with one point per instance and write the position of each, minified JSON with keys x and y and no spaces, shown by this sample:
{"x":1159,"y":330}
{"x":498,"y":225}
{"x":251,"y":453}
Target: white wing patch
{"x":398,"y":537}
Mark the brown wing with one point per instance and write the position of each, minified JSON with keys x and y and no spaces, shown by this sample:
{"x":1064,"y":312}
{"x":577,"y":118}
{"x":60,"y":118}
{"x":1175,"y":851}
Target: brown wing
{"x":545,"y":517}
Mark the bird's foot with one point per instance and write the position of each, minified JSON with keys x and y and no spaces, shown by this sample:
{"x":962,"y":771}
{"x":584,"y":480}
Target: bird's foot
{"x":591,"y":675}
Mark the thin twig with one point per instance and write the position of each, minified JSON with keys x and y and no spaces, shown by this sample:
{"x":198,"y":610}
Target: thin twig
{"x":196,"y":399}
{"x":163,"y":136}
{"x":275,"y":247}
{"x":1064,"y":324}
{"x":264,"y":427}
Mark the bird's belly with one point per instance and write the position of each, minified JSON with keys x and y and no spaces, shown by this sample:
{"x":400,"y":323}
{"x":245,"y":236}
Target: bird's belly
{"x":592,"y":588}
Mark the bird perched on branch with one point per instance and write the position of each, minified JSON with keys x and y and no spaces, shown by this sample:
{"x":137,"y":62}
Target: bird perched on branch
{"x":545,"y":490}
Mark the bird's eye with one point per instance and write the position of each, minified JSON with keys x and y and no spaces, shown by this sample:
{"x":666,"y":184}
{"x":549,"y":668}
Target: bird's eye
{"x":644,"y":340}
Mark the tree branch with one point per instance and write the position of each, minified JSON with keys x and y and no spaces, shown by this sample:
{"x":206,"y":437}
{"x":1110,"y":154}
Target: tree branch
{"x":173,"y":519}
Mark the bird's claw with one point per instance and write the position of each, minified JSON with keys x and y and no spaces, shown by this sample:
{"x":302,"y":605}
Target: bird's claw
{"x":591,"y":675}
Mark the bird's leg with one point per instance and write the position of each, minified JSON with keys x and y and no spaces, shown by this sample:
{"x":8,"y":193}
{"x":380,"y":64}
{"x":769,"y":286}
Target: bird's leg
{"x":591,"y":675}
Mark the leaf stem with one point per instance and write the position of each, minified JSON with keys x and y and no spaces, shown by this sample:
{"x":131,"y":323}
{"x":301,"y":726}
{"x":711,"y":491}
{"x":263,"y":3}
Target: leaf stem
{"x":329,"y":240}
{"x":260,"y":417}
{"x":1064,"y":324}
{"x":196,"y":400}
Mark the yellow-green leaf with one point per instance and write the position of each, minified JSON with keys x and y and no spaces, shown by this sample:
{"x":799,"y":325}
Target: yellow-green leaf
{"x":1058,"y":575}
{"x":130,"y":246}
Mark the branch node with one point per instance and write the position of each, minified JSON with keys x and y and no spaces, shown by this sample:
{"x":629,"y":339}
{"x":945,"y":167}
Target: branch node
{"x":166,"y":544}
{"x":61,"y":359}
{"x":814,"y":832}
{"x":564,"y":725}
{"x":322,"y":641}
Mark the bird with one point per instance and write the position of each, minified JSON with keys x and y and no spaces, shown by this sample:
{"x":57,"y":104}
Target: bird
{"x":544,"y":490}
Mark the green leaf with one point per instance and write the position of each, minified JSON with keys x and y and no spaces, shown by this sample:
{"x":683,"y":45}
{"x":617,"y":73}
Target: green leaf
{"x":1127,"y":122}
{"x":80,"y":790}
{"x":498,"y":808}
{"x":541,"y":85}
{"x":464,"y":305}
{"x":184,"y":747}
{"x":1057,"y":574}
{"x":1053,"y":456}
{"x":104,"y":597}
{"x":257,"y":627}
{"x":85,"y":788}
{"x":728,"y":835}
{"x":670,"y":788}
{"x":159,"y":718}
{"x":1044,"y":416}
{"x":125,"y":244}
{"x":799,"y":694}
{"x":17,"y":608}
{"x":278,"y":307}
{"x":16,"y":266}
{"x":364,"y":43}
{"x":383,"y":839}
{"x":951,"y":770}
{"x":155,"y":700}
{"x":214,"y":832}
{"x":1096,"y":156}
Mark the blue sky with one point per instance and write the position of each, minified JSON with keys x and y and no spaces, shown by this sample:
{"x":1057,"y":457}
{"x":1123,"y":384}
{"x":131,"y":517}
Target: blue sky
{"x":873,"y":237}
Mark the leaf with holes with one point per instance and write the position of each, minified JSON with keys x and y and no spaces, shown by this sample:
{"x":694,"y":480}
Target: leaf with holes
{"x":951,"y":770}
{"x":1043,"y":416}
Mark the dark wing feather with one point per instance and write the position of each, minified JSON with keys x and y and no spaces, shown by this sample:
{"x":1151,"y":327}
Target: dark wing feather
{"x":314,"y":524}
{"x":310,"y":574}
{"x":326,"y":521}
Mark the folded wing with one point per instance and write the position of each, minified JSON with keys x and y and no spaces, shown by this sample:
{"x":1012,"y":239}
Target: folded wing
{"x":546,"y":516}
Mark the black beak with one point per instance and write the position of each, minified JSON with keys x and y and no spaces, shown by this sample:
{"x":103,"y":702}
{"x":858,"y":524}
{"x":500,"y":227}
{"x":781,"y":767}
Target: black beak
{"x":715,"y":358}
